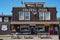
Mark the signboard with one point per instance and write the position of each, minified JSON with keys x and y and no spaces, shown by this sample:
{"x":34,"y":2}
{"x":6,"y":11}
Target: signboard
{"x":4,"y":27}
{"x":47,"y":24}
{"x":32,"y":24}
{"x":32,"y":9}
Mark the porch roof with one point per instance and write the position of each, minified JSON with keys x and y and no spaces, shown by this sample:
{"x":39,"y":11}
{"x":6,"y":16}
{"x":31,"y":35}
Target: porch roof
{"x":33,"y":22}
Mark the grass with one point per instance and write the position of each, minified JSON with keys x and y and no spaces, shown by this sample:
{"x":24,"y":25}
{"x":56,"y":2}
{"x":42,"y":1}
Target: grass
{"x":5,"y":36}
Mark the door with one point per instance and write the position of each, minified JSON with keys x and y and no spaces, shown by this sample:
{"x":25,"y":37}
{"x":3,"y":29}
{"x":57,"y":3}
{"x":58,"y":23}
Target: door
{"x":32,"y":29}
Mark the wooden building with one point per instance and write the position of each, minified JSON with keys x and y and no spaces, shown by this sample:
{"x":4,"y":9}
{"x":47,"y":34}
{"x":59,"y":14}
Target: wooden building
{"x":34,"y":18}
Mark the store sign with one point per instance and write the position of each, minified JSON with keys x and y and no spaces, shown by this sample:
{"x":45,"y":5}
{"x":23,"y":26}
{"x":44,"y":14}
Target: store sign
{"x":32,"y":24}
{"x":4,"y":27}
{"x":42,"y":9}
{"x":29,"y":9}
{"x":32,"y":9}
{"x":47,"y":24}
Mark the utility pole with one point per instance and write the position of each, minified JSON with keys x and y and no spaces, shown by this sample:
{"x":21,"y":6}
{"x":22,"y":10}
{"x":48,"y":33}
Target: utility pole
{"x":2,"y":13}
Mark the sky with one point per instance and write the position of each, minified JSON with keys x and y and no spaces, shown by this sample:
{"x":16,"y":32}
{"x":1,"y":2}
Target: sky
{"x":6,"y":5}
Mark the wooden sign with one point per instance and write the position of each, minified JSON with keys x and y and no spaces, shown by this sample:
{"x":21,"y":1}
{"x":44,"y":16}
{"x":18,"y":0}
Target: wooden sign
{"x":47,"y":24}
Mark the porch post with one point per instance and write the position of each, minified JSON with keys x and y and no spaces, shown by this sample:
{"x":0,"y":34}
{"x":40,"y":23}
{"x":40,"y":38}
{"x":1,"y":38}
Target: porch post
{"x":13,"y":29}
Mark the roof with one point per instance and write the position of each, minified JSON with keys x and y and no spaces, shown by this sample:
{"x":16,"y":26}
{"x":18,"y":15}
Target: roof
{"x":50,"y":7}
{"x":34,"y":2}
{"x":5,"y":15}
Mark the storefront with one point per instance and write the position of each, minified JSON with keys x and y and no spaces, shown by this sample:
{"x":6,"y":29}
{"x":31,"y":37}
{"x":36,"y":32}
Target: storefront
{"x":36,"y":28}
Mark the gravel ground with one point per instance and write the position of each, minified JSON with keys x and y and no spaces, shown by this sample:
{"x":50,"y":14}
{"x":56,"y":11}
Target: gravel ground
{"x":54,"y":37}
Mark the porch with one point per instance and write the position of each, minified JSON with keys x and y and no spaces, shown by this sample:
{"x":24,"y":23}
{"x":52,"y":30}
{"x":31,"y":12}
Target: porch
{"x":29,"y":28}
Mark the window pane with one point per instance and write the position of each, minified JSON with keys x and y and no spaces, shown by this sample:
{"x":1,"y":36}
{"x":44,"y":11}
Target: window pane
{"x":27,"y":15}
{"x":5,"y":19}
{"x":0,"y":19}
{"x":21,"y":15}
{"x":47,"y":15}
{"x":41,"y":15}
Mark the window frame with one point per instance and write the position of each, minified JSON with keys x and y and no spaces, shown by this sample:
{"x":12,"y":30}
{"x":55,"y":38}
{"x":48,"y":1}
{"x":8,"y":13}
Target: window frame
{"x":22,"y":16}
{"x":49,"y":16}
{"x":25,"y":15}
{"x":39,"y":16}
{"x":5,"y":19}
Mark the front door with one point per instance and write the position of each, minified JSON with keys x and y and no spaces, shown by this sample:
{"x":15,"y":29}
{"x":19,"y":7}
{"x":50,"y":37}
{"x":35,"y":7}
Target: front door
{"x":32,"y":29}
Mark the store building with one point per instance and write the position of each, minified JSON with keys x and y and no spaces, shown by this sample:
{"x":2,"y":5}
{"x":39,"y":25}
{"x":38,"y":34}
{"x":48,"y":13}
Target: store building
{"x":34,"y":18}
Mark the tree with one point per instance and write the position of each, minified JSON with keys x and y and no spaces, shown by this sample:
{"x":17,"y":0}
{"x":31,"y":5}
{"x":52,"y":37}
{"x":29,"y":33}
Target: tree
{"x":58,"y":19}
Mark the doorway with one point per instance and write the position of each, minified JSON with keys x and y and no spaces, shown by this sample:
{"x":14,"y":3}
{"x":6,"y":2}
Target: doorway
{"x":32,"y":29}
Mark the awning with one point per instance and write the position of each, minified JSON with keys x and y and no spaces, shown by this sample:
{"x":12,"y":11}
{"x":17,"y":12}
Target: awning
{"x":33,"y":22}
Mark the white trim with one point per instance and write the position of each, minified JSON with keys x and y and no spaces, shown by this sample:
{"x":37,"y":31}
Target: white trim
{"x":49,"y":15}
{"x":39,"y":16}
{"x":43,"y":15}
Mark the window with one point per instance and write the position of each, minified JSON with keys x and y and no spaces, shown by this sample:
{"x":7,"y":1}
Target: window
{"x":41,"y":28}
{"x":24,"y":28}
{"x":47,"y":16}
{"x":21,"y":15}
{"x":0,"y":19}
{"x":27,"y":15}
{"x":6,"y":19}
{"x":4,"y":27}
{"x":41,"y":15}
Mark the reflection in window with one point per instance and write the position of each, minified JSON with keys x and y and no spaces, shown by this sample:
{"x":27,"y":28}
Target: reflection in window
{"x":41,"y":15}
{"x":27,"y":15}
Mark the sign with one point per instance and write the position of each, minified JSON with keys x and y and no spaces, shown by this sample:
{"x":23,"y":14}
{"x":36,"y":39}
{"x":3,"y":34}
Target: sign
{"x":31,"y":9}
{"x":32,"y":24}
{"x":47,"y":24}
{"x":4,"y":27}
{"x":42,"y":9}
